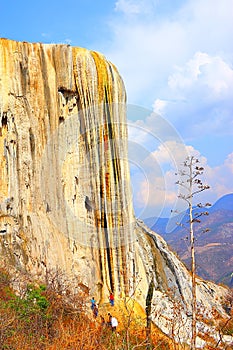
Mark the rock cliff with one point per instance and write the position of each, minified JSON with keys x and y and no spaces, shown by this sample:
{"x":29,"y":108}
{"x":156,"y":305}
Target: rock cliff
{"x":65,"y":195}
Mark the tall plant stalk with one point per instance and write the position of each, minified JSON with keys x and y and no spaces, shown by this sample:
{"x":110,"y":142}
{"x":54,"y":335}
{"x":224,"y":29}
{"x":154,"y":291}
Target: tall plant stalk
{"x":192,"y":185}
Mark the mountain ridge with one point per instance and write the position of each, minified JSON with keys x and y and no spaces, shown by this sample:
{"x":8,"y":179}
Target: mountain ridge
{"x":213,"y":248}
{"x":225,"y":202}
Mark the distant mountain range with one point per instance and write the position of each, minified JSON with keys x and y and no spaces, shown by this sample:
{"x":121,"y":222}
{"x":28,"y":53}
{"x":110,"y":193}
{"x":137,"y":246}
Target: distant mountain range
{"x":214,"y":249}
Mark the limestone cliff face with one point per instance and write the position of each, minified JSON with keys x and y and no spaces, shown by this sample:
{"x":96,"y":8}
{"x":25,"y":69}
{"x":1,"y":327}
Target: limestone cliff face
{"x":65,"y":198}
{"x":64,"y":170}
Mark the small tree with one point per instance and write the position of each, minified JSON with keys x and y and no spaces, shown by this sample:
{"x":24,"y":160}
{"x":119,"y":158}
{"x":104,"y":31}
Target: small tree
{"x":192,"y":184}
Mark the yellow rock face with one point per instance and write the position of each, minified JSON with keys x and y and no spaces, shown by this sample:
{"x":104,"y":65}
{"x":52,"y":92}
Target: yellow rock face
{"x":64,"y":169}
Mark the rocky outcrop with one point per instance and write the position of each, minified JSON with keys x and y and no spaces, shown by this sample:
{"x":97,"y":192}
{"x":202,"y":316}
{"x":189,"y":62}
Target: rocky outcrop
{"x":65,"y":188}
{"x":171,"y":304}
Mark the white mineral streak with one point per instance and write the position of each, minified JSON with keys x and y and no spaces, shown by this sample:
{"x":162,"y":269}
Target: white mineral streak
{"x":65,"y":195}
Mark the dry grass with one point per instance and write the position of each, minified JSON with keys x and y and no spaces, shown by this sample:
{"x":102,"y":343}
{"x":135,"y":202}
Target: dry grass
{"x":42,"y":318}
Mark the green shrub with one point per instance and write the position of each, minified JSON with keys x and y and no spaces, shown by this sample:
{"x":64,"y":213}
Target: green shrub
{"x":35,"y":296}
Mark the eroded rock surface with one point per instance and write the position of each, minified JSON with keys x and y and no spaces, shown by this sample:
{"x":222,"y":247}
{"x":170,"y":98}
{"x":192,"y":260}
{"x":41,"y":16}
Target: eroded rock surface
{"x":65,"y":187}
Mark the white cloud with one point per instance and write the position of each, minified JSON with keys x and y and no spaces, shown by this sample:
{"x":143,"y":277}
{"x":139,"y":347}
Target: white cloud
{"x":175,"y":153}
{"x":220,"y":178}
{"x":209,"y":24}
{"x":180,"y":62}
{"x":146,"y":48}
{"x":127,"y":7}
{"x":157,"y":193}
{"x":135,"y":7}
{"x":211,"y":74}
{"x":229,"y":163}
{"x":202,"y":90}
{"x":159,"y":106}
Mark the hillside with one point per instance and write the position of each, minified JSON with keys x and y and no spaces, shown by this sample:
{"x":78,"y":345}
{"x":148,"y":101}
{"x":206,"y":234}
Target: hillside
{"x":40,"y":317}
{"x":65,"y":192}
{"x":214,"y":249}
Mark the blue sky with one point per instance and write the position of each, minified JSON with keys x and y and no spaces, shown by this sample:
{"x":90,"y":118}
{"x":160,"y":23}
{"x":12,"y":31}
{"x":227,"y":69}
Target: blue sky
{"x":176,"y":59}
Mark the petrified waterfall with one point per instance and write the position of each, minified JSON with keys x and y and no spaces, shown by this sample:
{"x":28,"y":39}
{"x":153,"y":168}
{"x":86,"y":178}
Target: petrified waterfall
{"x":64,"y":169}
{"x":65,"y":196}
